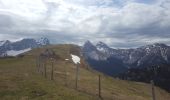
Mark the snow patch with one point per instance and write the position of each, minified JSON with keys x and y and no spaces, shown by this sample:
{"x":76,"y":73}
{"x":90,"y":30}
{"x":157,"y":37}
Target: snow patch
{"x":66,"y":59}
{"x":15,"y":53}
{"x":2,"y":43}
{"x":130,"y":57}
{"x":75,"y":59}
{"x":17,"y":40}
{"x":147,"y":50}
{"x":101,"y":49}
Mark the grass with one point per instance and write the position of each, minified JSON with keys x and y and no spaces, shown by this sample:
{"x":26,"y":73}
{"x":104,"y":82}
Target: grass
{"x":19,"y":80}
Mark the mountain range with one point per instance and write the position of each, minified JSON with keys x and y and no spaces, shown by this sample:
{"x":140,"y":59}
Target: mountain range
{"x":145,"y":63}
{"x":101,"y":56}
{"x":23,"y":78}
{"x":8,"y":48}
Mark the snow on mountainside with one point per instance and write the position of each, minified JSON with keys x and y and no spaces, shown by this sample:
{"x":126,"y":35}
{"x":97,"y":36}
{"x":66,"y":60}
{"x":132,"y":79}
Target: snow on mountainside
{"x":99,"y":58}
{"x":2,"y":43}
{"x":90,"y":51}
{"x":5,"y":42}
{"x":102,"y":47}
{"x":16,"y":53}
{"x":6,"y":46}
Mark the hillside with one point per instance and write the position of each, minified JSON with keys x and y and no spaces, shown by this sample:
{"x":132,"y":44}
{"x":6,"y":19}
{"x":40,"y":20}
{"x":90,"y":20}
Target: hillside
{"x":21,"y":81}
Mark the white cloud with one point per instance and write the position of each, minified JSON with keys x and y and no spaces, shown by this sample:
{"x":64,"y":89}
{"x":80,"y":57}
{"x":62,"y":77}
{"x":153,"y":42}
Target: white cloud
{"x":111,"y":21}
{"x":30,"y":10}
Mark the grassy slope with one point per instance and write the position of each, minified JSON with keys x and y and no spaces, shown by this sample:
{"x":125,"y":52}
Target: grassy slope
{"x":19,"y":80}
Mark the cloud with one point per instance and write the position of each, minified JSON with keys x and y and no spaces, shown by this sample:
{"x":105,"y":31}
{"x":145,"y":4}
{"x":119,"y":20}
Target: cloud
{"x":119,"y":23}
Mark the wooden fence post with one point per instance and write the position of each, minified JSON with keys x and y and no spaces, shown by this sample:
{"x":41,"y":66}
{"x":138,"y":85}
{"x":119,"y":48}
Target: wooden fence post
{"x":38,"y":64}
{"x":153,"y":90}
{"x":45,"y":69}
{"x":77,"y":72}
{"x":41,"y":67}
{"x":65,"y":76}
{"x":99,"y":86}
{"x":52,"y":70}
{"x":36,"y":61}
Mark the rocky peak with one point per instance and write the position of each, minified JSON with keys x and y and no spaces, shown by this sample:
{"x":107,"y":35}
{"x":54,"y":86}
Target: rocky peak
{"x":155,"y":45}
{"x":90,"y":51}
{"x":88,"y":46}
{"x":88,"y":43}
{"x":160,"y":44}
{"x":102,"y":46}
{"x":5,"y":42}
{"x":43,"y":41}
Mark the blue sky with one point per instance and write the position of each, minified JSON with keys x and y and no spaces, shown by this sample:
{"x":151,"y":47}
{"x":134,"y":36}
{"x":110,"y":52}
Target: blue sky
{"x":146,"y":1}
{"x":119,"y":23}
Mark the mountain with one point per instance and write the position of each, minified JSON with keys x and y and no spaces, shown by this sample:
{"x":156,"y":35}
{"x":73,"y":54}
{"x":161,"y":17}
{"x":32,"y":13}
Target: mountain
{"x":7,"y":47}
{"x":149,"y":55}
{"x":100,"y":58}
{"x":90,"y":51}
{"x":132,"y":64}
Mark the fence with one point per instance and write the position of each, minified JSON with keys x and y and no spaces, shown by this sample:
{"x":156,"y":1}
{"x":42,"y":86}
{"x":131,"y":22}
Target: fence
{"x":73,"y":76}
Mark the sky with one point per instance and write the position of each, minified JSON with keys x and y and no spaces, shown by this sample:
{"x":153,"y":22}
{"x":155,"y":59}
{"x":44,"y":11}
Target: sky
{"x":118,"y":23}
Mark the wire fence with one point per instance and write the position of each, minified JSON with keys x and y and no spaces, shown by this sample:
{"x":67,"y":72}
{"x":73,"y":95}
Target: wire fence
{"x":70,"y":76}
{"x":73,"y":76}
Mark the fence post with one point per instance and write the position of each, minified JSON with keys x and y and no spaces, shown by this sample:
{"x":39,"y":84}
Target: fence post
{"x":38,"y":64}
{"x":52,"y":70}
{"x":77,"y":72}
{"x":65,"y":76}
{"x":153,"y":90}
{"x":42,"y":66}
{"x":99,"y":86}
{"x":45,"y":69}
{"x":36,"y":61}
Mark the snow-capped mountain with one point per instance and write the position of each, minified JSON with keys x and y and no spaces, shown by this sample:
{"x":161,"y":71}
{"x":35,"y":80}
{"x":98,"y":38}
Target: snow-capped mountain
{"x":149,"y":55}
{"x":7,"y":47}
{"x":100,"y":58}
